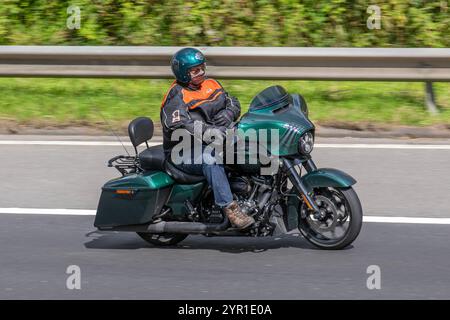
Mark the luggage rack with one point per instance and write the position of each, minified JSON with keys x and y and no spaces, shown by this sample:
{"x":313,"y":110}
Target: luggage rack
{"x":125,"y":164}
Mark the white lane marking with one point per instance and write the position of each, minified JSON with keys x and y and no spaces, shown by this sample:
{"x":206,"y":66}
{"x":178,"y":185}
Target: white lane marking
{"x":64,"y":143}
{"x":383,"y":146}
{"x":406,"y":220}
{"x":67,"y":212}
{"x":83,"y":212}
{"x":318,"y":145}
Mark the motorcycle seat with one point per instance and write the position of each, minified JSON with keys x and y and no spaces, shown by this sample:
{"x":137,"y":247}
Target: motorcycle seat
{"x":140,"y":130}
{"x":152,"y":158}
{"x":180,"y":176}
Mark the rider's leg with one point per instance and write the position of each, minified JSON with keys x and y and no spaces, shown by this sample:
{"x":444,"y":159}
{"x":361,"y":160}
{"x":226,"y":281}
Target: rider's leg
{"x":216,"y":177}
{"x":218,"y":180}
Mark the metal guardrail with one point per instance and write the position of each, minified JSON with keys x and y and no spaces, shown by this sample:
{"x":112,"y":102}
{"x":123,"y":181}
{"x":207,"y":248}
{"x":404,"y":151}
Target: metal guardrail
{"x":399,"y":64}
{"x":403,"y":64}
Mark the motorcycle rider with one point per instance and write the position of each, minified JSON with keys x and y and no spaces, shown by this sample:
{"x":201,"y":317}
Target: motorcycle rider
{"x":193,"y":91}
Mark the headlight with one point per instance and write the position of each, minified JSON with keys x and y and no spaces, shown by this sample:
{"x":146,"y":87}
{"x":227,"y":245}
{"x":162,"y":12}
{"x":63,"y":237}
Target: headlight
{"x":306,"y":143}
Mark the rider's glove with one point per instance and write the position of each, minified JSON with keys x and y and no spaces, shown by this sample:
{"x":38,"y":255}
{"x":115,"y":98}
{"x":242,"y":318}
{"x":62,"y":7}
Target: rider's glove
{"x":224,"y":118}
{"x":231,"y":112}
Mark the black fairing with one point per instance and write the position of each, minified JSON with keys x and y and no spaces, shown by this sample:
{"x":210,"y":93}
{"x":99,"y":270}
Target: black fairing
{"x":274,"y":96}
{"x":299,"y":102}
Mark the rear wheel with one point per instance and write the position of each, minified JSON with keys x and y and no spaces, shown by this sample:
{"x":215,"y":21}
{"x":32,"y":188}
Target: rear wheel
{"x":162,"y":239}
{"x":339,"y":221}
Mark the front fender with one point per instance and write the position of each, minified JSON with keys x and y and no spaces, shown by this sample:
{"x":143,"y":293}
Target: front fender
{"x":327,"y":177}
{"x":324,"y":177}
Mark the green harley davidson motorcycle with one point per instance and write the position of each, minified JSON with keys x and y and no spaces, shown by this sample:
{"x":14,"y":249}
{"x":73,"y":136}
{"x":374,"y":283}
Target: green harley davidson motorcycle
{"x":164,"y":204}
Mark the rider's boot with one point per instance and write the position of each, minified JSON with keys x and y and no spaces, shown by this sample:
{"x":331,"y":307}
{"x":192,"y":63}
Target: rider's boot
{"x":238,"y":218}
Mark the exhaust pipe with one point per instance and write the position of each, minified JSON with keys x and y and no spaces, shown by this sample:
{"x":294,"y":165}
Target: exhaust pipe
{"x":187,"y":227}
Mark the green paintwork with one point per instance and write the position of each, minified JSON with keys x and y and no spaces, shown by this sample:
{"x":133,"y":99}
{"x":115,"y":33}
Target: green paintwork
{"x":154,"y":189}
{"x":148,"y":180}
{"x":150,"y":191}
{"x":139,"y":208}
{"x":290,"y":122}
{"x":324,"y":177}
{"x":182,"y":192}
{"x":327,"y":177}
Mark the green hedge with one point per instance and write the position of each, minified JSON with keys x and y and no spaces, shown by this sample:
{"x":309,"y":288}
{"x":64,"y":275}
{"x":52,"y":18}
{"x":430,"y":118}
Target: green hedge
{"x":413,"y":23}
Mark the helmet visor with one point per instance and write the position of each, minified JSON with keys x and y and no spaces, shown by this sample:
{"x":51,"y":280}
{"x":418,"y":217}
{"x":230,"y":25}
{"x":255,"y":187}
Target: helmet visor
{"x":198,"y":72}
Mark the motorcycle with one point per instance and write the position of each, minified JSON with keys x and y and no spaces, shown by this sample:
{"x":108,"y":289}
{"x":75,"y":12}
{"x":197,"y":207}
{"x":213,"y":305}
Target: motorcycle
{"x":164,"y":205}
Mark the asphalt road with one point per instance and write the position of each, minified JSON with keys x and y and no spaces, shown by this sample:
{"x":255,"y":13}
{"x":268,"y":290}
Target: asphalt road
{"x":391,"y":182}
{"x":35,"y":250}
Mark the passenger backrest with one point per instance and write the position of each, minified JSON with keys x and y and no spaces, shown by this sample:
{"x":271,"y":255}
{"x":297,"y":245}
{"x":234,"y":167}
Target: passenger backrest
{"x":140,"y":130}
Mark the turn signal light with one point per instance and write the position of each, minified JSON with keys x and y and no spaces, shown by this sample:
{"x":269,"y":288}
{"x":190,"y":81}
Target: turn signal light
{"x":124,"y":191}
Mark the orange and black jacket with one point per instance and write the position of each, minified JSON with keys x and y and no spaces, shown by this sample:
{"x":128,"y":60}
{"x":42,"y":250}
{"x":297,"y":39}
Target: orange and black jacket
{"x":180,"y":102}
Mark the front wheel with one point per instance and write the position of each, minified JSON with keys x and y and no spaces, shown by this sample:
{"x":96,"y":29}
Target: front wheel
{"x":162,"y":239}
{"x":338,"y":222}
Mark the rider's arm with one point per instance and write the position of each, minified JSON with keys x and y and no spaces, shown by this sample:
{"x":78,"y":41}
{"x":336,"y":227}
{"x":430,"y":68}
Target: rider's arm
{"x":232,"y":104}
{"x":230,"y":113}
{"x":175,"y":115}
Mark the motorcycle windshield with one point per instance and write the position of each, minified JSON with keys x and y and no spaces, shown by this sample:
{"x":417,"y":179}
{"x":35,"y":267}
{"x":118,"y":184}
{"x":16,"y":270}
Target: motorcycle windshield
{"x":271,"y":97}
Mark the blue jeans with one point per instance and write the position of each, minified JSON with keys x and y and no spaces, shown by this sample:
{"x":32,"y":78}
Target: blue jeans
{"x":216,"y":177}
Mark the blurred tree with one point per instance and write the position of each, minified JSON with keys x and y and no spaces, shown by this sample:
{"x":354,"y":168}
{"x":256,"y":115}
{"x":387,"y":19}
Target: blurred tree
{"x":404,"y":23}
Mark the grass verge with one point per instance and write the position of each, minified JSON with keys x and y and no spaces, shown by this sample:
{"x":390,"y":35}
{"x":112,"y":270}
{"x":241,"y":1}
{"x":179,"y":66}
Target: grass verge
{"x":64,"y":102}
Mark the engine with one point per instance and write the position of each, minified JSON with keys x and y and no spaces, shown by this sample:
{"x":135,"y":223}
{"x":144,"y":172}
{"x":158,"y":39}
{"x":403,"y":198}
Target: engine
{"x":258,"y":197}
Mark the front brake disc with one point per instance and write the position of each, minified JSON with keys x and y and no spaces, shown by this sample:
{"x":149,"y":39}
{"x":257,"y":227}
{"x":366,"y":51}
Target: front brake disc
{"x":328,"y":215}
